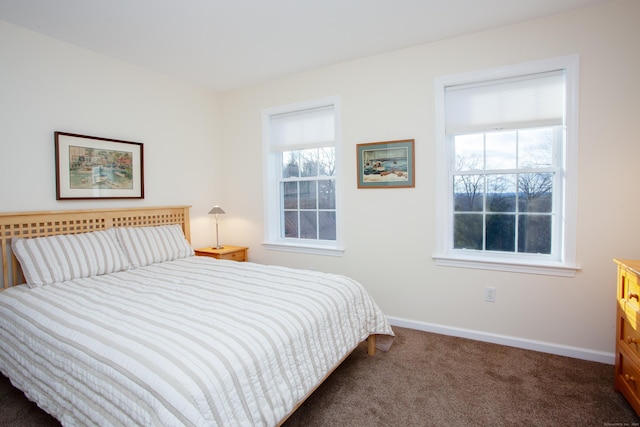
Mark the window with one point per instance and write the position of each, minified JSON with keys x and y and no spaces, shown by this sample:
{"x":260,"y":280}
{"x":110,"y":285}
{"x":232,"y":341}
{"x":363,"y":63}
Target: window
{"x":301,"y":164}
{"x":507,"y":159}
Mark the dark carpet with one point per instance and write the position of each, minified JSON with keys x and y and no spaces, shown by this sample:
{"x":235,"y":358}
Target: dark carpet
{"x":435,"y":380}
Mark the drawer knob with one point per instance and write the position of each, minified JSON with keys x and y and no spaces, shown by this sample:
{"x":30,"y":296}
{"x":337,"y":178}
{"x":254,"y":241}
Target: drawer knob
{"x":632,"y":340}
{"x":630,"y":378}
{"x":632,"y":296}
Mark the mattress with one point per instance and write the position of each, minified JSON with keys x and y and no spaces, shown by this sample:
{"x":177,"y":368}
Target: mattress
{"x":194,"y":341}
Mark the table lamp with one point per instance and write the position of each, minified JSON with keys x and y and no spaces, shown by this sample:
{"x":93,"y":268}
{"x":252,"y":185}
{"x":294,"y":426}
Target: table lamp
{"x":217,"y":210}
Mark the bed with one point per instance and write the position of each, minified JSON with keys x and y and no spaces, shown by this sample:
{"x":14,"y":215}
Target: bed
{"x":108,"y":318}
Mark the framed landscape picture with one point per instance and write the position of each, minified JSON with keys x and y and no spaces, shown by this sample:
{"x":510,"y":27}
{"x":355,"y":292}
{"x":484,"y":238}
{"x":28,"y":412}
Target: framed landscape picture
{"x":388,"y":164}
{"x":90,"y":167}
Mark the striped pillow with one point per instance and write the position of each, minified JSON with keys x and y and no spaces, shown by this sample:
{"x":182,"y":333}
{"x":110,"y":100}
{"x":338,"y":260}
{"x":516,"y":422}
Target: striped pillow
{"x":53,"y":259}
{"x":148,"y":245}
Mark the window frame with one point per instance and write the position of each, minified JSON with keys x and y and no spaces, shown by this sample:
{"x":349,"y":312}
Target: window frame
{"x":272,"y":171}
{"x":564,"y":263}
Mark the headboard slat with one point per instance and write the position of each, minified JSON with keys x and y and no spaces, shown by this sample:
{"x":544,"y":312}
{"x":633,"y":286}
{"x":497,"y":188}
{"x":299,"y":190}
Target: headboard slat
{"x":53,"y":223}
{"x":5,"y":264}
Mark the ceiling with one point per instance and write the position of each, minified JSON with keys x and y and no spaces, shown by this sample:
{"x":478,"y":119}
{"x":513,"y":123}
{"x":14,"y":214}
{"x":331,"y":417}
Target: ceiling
{"x":226,"y":44}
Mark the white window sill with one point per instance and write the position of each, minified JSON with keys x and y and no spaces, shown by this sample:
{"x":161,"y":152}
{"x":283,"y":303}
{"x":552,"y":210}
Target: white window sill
{"x":305,"y":249}
{"x":508,"y":265}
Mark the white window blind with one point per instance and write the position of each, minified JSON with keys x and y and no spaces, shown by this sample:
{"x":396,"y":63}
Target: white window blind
{"x":303,"y":129}
{"x":526,"y":101}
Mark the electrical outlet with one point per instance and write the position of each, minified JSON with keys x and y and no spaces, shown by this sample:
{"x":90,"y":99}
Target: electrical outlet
{"x":490,"y":294}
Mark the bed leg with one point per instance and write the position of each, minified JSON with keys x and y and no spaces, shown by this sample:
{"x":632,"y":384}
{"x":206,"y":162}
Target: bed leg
{"x":371,"y":345}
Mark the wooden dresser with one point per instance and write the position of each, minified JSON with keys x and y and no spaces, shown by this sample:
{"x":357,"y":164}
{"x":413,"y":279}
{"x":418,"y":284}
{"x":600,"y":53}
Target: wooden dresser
{"x":627,"y":370}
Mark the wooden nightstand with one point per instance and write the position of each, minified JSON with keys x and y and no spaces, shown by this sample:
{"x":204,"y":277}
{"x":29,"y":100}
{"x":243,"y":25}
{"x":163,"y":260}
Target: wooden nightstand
{"x":234,"y":253}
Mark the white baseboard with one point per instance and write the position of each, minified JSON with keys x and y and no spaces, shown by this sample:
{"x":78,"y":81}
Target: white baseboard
{"x":545,"y":347}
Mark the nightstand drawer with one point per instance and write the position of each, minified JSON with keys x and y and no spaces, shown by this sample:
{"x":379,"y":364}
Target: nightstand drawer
{"x":234,"y":256}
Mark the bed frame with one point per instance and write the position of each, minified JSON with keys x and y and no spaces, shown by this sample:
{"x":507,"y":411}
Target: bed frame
{"x":52,"y":223}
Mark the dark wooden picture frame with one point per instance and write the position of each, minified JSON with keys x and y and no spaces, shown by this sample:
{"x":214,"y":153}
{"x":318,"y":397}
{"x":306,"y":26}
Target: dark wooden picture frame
{"x":91,"y":167}
{"x":387,"y":164}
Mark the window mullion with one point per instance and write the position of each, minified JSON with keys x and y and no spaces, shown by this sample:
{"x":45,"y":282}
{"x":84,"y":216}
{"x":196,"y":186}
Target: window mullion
{"x":517,"y":209}
{"x":484,"y":210}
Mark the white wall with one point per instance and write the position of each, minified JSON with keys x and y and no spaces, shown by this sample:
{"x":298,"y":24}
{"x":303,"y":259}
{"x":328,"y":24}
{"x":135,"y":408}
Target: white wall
{"x":390,"y":232}
{"x":203,"y":149}
{"x":48,"y":86}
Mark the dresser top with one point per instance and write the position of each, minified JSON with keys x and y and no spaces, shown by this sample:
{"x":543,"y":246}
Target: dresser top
{"x":631,"y":264}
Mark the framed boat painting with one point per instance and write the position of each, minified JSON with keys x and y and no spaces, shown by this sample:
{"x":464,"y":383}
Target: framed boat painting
{"x":388,"y":164}
{"x":90,"y":167}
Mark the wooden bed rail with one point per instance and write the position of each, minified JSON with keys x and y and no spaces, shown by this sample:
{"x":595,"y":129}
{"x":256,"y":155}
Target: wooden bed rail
{"x":53,"y":223}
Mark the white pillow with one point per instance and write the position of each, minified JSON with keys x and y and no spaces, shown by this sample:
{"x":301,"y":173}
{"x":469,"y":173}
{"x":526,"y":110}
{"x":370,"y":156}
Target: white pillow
{"x":54,"y":259}
{"x":148,"y":245}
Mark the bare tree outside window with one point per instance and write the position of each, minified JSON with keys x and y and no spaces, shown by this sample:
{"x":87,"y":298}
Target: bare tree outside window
{"x":308,"y":194}
{"x":503,"y":187}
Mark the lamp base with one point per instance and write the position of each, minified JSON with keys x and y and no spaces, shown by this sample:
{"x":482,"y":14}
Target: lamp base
{"x":217,"y":247}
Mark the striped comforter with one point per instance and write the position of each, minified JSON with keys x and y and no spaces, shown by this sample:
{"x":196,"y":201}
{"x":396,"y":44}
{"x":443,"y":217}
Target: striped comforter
{"x":195,"y":341}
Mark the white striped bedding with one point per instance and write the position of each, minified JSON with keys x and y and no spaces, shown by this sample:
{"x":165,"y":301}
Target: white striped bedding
{"x":194,"y":341}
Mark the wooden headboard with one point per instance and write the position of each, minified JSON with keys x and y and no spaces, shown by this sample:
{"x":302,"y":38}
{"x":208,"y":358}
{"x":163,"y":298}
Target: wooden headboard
{"x":52,"y":223}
